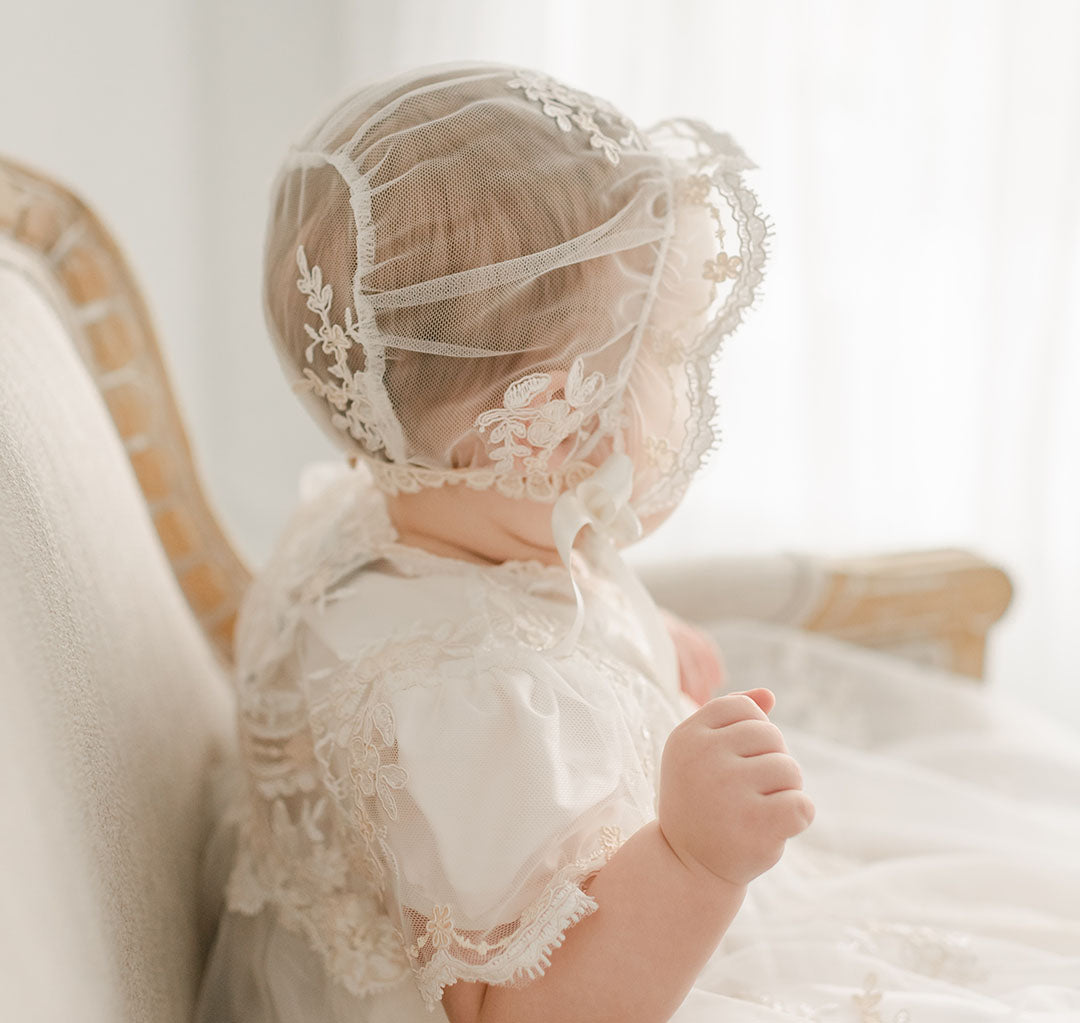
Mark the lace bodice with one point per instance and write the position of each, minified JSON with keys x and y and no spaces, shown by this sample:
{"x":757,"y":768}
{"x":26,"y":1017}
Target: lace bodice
{"x":429,"y":786}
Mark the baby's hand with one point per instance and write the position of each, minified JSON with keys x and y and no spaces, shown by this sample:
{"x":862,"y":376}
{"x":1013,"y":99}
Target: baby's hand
{"x":730,"y":793}
{"x":701,"y":667}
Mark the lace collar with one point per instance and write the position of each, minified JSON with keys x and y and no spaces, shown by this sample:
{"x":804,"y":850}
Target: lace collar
{"x":342,"y":504}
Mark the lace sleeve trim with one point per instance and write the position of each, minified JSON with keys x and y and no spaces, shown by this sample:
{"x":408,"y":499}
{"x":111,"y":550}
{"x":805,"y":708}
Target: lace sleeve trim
{"x":364,"y":952}
{"x":525,"y":956}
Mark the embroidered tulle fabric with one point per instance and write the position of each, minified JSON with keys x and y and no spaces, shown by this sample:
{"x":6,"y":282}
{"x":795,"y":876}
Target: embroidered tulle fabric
{"x":937,"y":879}
{"x":360,"y":740}
{"x":475,"y":273}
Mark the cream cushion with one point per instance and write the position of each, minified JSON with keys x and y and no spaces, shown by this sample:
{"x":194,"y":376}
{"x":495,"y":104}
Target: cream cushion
{"x":114,"y":707}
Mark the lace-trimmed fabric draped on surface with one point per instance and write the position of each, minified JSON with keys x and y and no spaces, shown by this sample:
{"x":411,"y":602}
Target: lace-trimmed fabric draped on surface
{"x":424,"y":790}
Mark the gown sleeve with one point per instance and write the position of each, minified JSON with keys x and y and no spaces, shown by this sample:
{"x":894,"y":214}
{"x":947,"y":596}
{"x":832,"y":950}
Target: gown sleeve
{"x":485,"y":787}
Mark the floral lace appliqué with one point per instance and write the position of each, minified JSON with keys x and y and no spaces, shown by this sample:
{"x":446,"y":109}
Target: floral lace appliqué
{"x":442,"y":953}
{"x":372,"y":776}
{"x":529,"y":431}
{"x":945,"y":955}
{"x":868,"y":1004}
{"x":570,"y":107}
{"x":356,"y":412}
{"x":307,"y":880}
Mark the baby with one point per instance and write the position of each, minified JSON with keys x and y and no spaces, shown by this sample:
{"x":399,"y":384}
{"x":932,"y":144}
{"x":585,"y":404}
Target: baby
{"x":478,"y":782}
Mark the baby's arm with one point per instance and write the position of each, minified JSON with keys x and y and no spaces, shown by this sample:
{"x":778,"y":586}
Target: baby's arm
{"x":632,"y":960}
{"x":670,"y":892}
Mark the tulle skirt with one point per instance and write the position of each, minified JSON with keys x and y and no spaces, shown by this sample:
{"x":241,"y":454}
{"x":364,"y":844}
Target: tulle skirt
{"x":938,"y":883}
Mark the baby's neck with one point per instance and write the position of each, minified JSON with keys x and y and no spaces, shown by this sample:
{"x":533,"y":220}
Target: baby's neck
{"x":480,"y":526}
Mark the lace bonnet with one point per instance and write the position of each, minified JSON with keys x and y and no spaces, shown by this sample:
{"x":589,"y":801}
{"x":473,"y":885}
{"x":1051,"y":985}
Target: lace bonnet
{"x":476,"y":274}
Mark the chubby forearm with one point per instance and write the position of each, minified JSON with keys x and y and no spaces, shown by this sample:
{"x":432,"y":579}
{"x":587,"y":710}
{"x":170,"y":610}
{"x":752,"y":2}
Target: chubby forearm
{"x":635,"y":958}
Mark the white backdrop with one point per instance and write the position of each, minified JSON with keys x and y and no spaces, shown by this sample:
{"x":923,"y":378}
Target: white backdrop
{"x":911,"y":375}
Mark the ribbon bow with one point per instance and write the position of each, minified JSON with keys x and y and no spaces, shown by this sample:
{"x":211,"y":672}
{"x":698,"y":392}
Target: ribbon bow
{"x":603,"y":502}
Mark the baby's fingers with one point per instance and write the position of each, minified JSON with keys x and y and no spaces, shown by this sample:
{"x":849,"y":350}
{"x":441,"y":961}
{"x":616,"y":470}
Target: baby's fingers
{"x":754,"y":736}
{"x":764,"y":698}
{"x":788,"y":812}
{"x":773,"y":772}
{"x":725,"y":710}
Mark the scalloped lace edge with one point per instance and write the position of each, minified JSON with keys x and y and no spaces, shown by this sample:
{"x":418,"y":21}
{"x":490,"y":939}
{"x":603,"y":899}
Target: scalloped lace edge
{"x":526,"y":956}
{"x":542,"y":485}
{"x":536,"y":943}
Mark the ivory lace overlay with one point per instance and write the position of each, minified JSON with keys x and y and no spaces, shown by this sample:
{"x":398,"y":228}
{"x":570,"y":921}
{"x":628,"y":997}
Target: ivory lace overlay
{"x":320,"y":742}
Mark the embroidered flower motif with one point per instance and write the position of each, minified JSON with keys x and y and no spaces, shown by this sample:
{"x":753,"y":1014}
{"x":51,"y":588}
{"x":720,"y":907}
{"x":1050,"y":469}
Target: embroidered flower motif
{"x":928,"y":950}
{"x":555,"y":419}
{"x":571,"y":107}
{"x":355,"y":410}
{"x":376,"y":852}
{"x":610,"y":840}
{"x":660,"y":453}
{"x":693,"y":190}
{"x":543,"y":426}
{"x":667,"y":347}
{"x":364,"y":944}
{"x":315,"y":898}
{"x":440,"y":928}
{"x":373,"y":777}
{"x":868,"y":1002}
{"x":722,"y":268}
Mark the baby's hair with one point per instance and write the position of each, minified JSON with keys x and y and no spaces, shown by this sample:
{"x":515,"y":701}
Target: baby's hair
{"x":511,"y":205}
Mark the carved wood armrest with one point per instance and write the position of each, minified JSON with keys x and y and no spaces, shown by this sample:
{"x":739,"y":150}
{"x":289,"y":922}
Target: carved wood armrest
{"x":54,"y":239}
{"x":933,"y":606}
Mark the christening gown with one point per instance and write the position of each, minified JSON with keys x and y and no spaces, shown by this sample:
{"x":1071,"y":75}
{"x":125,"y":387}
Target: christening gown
{"x":422,"y":788}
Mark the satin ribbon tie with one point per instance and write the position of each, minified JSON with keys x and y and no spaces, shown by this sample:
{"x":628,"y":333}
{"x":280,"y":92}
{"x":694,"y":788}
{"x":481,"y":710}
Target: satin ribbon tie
{"x":603,"y":502}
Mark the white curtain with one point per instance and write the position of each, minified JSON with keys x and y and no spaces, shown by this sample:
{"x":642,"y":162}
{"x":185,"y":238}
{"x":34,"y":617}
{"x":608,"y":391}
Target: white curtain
{"x":910,"y":375}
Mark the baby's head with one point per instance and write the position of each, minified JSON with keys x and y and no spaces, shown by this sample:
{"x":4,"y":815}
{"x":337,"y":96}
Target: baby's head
{"x":476,"y":275}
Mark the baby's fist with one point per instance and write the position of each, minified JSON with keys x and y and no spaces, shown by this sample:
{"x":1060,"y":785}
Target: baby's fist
{"x":730,"y":792}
